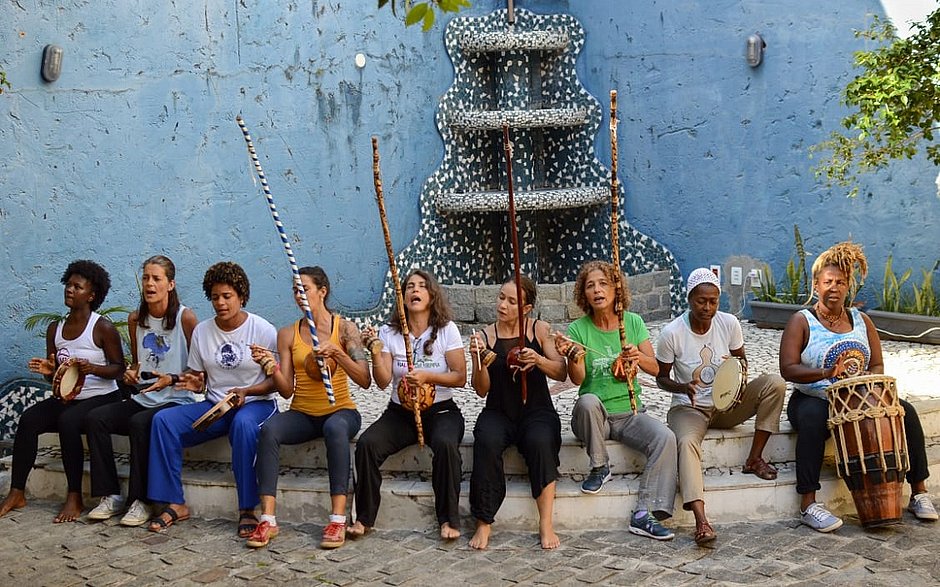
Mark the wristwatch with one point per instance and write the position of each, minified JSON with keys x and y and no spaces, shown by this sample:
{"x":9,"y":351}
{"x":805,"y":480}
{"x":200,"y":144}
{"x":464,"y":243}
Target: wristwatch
{"x":174,"y":378}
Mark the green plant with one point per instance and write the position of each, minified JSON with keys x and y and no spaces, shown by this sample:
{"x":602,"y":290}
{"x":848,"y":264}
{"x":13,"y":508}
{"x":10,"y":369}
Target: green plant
{"x":41,"y":320}
{"x":795,"y":286}
{"x":423,"y":12}
{"x":4,"y":81}
{"x":891,"y":298}
{"x":924,"y":301}
{"x":893,"y":101}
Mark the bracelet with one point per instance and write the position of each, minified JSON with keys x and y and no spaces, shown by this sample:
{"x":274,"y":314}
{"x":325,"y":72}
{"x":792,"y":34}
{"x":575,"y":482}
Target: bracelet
{"x":174,"y":379}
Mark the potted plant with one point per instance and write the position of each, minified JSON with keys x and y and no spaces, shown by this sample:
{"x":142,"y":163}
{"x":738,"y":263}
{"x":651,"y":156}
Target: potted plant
{"x":909,"y":315}
{"x":772,"y":307}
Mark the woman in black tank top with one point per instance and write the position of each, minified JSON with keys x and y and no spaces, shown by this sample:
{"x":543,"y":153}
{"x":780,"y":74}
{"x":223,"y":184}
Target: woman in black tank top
{"x":534,"y":427}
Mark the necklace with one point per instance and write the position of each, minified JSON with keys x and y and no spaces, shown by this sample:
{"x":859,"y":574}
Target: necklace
{"x":829,"y":317}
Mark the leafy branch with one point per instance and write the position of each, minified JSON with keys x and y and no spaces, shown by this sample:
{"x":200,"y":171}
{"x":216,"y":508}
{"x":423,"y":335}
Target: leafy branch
{"x":424,"y":12}
{"x":896,"y":103}
{"x":4,"y":81}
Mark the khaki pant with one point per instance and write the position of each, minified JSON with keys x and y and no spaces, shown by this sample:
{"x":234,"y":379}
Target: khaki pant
{"x":763,"y":397}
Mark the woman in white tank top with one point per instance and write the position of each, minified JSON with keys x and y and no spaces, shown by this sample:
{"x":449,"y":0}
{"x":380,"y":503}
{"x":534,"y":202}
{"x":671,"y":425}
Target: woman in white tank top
{"x":94,"y":343}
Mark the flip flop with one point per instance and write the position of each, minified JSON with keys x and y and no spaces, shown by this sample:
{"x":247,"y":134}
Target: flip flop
{"x":161,"y":525}
{"x":704,"y":534}
{"x":246,"y":530}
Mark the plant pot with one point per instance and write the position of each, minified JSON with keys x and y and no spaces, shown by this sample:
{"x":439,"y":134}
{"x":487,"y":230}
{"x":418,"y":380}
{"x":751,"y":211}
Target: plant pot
{"x":906,"y":327}
{"x":772,"y":314}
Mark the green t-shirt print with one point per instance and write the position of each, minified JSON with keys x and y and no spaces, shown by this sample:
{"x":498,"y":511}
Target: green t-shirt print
{"x":602,"y":348}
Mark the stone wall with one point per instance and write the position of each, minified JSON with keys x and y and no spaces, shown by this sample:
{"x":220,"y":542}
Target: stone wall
{"x":475,"y":305}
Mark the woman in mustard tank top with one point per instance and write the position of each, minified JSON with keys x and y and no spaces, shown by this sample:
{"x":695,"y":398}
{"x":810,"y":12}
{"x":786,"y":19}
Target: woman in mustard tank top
{"x":310,"y":415}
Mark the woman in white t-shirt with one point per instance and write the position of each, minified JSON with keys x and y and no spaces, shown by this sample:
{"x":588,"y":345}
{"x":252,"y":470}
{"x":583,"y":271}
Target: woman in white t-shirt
{"x":93,"y":341}
{"x":160,"y":330}
{"x":439,"y":359}
{"x":219,"y":362}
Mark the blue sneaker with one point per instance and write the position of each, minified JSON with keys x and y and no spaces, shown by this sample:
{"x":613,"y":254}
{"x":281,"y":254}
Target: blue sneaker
{"x":596,"y":479}
{"x":650,"y":527}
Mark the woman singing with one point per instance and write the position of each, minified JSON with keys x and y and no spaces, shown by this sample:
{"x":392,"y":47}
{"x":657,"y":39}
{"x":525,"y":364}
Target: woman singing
{"x":534,"y":427}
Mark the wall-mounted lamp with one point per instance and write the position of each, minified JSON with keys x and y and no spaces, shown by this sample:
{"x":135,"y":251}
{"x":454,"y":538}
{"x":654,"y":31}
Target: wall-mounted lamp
{"x":51,"y":62}
{"x":755,"y":49}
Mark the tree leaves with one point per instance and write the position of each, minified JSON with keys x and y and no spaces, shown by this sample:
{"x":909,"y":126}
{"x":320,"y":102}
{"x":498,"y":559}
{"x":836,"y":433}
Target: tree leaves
{"x":896,"y":99}
{"x":424,"y":12}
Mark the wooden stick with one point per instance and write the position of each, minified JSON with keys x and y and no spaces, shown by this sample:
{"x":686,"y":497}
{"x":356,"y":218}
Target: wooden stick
{"x":298,"y":284}
{"x":631,"y":369}
{"x":511,"y":359}
{"x":399,"y":296}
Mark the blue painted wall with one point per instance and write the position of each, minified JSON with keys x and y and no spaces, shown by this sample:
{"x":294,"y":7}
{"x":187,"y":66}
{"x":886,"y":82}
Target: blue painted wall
{"x":135,"y":151}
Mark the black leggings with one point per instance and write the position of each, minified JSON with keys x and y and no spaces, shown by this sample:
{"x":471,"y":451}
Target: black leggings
{"x":394,"y":430}
{"x":808,"y":415}
{"x":538,"y":437}
{"x":127,"y":418}
{"x":53,"y":415}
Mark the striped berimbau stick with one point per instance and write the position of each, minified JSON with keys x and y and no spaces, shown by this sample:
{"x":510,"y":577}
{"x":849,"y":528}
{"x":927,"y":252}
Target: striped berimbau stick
{"x":298,"y":284}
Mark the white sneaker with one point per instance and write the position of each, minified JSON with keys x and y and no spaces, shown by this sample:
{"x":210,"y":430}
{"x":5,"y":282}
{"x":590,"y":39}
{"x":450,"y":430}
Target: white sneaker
{"x":922,"y":507}
{"x":108,"y":506}
{"x":137,"y":515}
{"x":819,"y":518}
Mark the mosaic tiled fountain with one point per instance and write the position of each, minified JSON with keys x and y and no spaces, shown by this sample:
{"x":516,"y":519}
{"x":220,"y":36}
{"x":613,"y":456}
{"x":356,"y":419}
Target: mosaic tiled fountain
{"x":522,"y":73}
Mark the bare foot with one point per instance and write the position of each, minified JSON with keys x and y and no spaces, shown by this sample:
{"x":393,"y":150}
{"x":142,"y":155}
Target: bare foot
{"x":71,"y":509}
{"x":482,"y":536}
{"x":548,"y":538}
{"x":357,"y":530}
{"x":448,"y":532}
{"x":14,"y":501}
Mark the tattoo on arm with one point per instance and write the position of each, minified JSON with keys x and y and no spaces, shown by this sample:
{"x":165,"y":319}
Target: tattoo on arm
{"x":358,"y":354}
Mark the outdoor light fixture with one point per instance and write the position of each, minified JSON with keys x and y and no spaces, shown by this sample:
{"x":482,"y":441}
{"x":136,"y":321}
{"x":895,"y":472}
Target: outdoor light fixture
{"x":755,"y":49}
{"x":51,"y":62}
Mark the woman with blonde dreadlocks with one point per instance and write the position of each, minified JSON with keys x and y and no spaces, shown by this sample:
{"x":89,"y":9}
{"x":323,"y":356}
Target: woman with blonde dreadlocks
{"x":821,"y":345}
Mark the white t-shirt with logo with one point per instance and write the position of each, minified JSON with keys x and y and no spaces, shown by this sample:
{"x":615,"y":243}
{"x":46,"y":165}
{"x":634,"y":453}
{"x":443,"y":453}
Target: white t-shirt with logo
{"x":698,"y":355}
{"x":225,"y":356}
{"x":448,"y":339}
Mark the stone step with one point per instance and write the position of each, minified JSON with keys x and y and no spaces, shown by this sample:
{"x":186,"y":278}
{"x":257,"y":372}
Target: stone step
{"x":408,"y":499}
{"x":723,"y":449}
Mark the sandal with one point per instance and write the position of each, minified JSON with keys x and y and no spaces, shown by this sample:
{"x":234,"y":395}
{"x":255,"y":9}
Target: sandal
{"x":246,"y":530}
{"x":704,"y":533}
{"x":761,"y":468}
{"x":160,"y":524}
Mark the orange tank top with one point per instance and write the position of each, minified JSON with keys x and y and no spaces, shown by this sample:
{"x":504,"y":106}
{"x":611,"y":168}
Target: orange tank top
{"x":309,"y":395}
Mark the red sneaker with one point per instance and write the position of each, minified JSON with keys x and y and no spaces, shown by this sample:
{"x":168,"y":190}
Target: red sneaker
{"x":262,"y":535}
{"x":334,"y":535}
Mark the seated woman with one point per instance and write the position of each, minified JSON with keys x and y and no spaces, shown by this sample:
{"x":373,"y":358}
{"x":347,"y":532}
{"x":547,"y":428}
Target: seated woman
{"x":160,"y":330}
{"x":91,"y":341}
{"x":603,"y":411}
{"x":534,"y":426}
{"x":438,"y":360}
{"x":821,"y":345}
{"x":219,"y":363}
{"x":311,"y":415}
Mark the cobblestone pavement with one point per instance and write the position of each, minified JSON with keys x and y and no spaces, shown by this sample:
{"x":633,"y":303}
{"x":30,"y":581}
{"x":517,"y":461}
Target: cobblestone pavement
{"x":207,"y":552}
{"x":915,"y":366}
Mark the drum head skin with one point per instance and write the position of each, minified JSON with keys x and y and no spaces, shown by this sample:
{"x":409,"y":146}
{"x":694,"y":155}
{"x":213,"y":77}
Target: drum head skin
{"x":729,"y":384}
{"x":67,"y":382}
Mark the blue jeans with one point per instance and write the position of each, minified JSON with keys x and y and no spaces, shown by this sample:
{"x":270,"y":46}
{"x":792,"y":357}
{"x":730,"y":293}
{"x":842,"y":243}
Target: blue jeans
{"x":293,"y":427}
{"x":172,"y":431}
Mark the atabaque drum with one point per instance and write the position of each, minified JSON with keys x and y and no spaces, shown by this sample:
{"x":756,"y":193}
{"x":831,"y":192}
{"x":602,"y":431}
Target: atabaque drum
{"x":68,"y":381}
{"x":729,"y":384}
{"x":867,"y":424}
{"x":216,"y":412}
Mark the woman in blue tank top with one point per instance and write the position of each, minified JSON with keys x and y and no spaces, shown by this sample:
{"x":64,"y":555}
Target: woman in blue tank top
{"x":821,"y":345}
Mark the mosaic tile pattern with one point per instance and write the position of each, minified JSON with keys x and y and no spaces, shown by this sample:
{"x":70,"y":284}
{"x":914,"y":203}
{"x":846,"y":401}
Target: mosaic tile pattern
{"x":525,"y":73}
{"x":15,"y":396}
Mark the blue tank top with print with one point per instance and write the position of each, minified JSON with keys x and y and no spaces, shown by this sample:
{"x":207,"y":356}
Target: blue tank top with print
{"x":824,"y":348}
